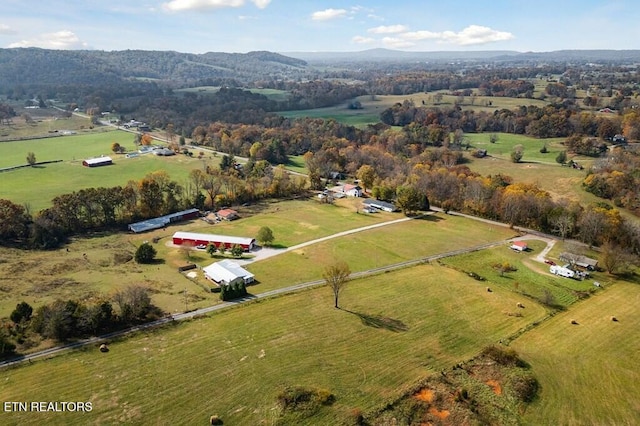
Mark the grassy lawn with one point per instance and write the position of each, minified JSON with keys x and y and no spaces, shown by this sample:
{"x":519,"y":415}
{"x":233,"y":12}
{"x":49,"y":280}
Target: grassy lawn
{"x":587,"y":372}
{"x":392,"y":330}
{"x":296,"y":163}
{"x":531,"y":279}
{"x":47,"y":181}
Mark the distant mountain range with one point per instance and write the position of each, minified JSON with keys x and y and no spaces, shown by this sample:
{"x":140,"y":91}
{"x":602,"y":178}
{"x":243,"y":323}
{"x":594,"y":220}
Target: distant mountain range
{"x":626,"y":56}
{"x":41,"y":67}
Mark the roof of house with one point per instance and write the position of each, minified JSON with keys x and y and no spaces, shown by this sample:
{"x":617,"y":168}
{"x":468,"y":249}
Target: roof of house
{"x":349,"y":187}
{"x":226,"y":271}
{"x":212,"y":237}
{"x":227,"y":212}
{"x":519,"y":243}
{"x":579,"y":259}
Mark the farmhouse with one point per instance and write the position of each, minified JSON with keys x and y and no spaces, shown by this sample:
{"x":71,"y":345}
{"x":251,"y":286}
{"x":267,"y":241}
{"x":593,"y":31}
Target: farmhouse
{"x":227,"y":214}
{"x":380,"y":205}
{"x":162,"y":221}
{"x":579,"y":260}
{"x":195,"y":239}
{"x":164,"y":152}
{"x":519,"y":246}
{"x":97,"y":162}
{"x":352,"y":190}
{"x":226,"y":272}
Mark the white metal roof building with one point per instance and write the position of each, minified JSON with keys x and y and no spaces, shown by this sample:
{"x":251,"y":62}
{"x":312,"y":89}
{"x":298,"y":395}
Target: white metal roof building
{"x":226,"y":271}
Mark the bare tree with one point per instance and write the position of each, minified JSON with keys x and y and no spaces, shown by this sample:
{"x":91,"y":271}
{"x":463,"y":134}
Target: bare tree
{"x":336,"y":277}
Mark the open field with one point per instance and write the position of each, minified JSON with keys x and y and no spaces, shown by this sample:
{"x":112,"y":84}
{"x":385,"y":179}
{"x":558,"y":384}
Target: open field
{"x":372,"y":107}
{"x":392,"y":330}
{"x":587,"y":372}
{"x":47,"y":181}
{"x":69,"y":274}
{"x":45,"y":122}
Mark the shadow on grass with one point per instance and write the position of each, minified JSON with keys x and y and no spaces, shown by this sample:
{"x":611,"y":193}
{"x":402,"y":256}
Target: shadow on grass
{"x":429,"y":217}
{"x":379,"y":321}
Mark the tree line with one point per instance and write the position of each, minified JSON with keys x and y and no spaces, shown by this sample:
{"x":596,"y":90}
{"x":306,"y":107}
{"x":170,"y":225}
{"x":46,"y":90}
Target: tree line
{"x":64,"y":320}
{"x":154,"y":195}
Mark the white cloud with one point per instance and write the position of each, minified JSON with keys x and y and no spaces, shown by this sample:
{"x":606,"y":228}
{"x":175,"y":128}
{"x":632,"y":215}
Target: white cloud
{"x":387,"y":29}
{"x":261,"y":4}
{"x":362,"y":40}
{"x":396,"y":43}
{"x":60,"y":40}
{"x":5,"y":29}
{"x":183,"y":5}
{"x":327,"y":14}
{"x":473,"y":34}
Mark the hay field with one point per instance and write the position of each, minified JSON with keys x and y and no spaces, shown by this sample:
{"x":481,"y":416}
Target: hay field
{"x":588,"y":371}
{"x":393,"y":330}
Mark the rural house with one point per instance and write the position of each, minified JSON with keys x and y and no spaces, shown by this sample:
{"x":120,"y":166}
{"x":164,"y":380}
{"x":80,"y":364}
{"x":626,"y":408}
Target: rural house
{"x":352,"y":190}
{"x":579,"y":260}
{"x":228,"y":214}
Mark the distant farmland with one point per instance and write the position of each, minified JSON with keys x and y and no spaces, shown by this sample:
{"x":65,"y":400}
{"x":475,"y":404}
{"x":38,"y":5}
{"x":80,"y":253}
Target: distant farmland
{"x":47,"y":181}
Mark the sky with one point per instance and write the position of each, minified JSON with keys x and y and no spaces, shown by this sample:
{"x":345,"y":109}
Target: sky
{"x":199,"y":26}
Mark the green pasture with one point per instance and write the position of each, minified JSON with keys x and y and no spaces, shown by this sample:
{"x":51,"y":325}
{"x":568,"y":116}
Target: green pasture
{"x":296,"y":164}
{"x":503,"y":147}
{"x":531,"y":279}
{"x":392,"y":330}
{"x":37,"y":185}
{"x":46,"y":122}
{"x":374,"y":248}
{"x":587,"y":371}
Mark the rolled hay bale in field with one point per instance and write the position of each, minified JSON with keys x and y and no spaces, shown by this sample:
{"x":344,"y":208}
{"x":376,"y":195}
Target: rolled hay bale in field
{"x":614,"y":319}
{"x":215,"y":420}
{"x":489,"y":290}
{"x":519,"y":305}
{"x":104,"y":348}
{"x":574,"y":322}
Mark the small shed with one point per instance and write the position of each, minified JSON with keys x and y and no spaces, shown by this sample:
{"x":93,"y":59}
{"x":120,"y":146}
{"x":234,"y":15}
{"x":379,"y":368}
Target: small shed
{"x":519,"y":246}
{"x":380,"y":205}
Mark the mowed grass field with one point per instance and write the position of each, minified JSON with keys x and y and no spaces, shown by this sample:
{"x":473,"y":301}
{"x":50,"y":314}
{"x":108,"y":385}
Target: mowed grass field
{"x":392,"y":330}
{"x":36,"y":186}
{"x":587,"y":372}
{"x":41,"y":277}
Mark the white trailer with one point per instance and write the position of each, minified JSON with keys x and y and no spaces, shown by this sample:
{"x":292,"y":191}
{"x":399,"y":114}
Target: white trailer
{"x":563,"y":271}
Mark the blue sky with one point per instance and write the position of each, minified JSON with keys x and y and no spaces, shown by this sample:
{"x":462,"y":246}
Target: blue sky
{"x":200,"y":26}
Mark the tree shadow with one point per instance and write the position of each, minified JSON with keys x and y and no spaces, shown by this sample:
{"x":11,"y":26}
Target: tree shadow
{"x":379,"y":321}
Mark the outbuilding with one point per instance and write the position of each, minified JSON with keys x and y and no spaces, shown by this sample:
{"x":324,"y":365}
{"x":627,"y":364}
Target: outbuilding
{"x":228,"y":214}
{"x":226,"y":272}
{"x":380,"y":205}
{"x":519,"y":246}
{"x":97,"y":162}
{"x":162,"y":221}
{"x":195,"y":239}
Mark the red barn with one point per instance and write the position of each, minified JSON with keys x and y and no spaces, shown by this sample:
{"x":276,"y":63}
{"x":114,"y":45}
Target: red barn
{"x":195,"y":239}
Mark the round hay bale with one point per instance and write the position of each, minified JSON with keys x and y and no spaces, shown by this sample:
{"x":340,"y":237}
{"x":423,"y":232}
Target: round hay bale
{"x":215,"y":420}
{"x":520,"y":305}
{"x":104,"y":348}
{"x":614,"y":319}
{"x":574,"y":322}
{"x":489,"y":290}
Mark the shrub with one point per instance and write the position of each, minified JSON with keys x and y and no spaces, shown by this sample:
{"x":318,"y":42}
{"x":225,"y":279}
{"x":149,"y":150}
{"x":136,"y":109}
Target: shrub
{"x":145,"y":253}
{"x":502,"y":355}
{"x":525,"y":386}
{"x":299,"y":398}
